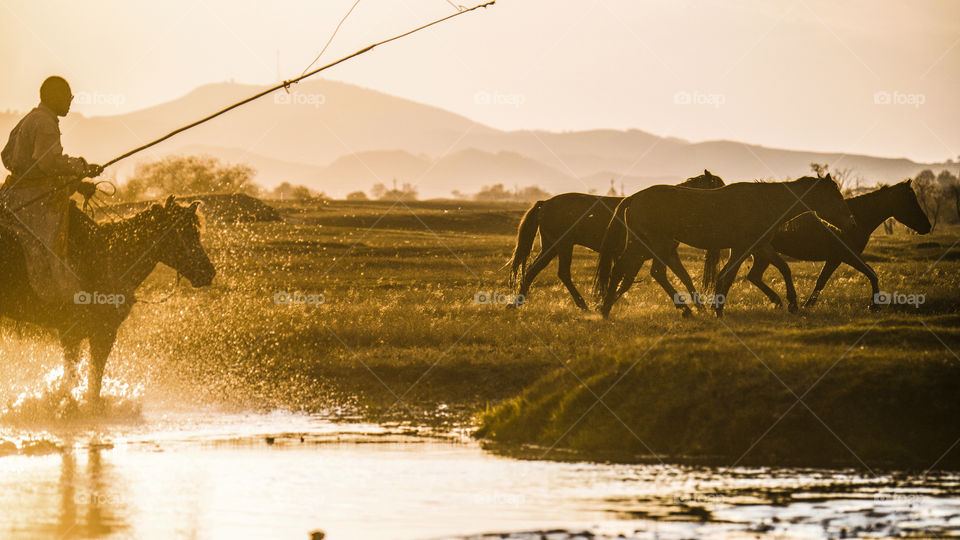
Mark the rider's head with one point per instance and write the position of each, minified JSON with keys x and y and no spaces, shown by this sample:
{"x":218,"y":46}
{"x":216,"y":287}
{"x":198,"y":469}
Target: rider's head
{"x":55,"y":93}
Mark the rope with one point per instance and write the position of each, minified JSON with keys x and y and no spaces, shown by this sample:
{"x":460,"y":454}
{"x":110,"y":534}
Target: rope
{"x":329,"y":41}
{"x":91,"y":205}
{"x":109,"y":183}
{"x":286,"y":84}
{"x":98,"y":206}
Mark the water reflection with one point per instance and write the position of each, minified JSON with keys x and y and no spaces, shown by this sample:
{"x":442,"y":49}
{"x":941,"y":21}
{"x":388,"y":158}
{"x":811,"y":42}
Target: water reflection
{"x":68,"y":496}
{"x":91,"y":503}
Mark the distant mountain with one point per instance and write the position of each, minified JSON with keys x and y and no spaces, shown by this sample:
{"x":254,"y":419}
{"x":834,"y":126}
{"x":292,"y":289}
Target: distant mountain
{"x":472,"y":168}
{"x":337,"y":137}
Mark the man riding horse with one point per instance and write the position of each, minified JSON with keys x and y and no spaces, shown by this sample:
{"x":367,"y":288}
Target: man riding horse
{"x":36,"y":195}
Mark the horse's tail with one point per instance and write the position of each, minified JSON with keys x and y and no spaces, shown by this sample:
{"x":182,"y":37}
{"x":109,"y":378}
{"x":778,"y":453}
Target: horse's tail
{"x":711,"y":268}
{"x":525,"y":236}
{"x":614,"y":241}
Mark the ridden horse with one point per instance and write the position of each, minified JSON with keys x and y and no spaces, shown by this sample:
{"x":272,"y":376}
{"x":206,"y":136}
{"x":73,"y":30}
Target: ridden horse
{"x":742,"y":216}
{"x":809,"y":238}
{"x":112,"y":259}
{"x":571,"y":219}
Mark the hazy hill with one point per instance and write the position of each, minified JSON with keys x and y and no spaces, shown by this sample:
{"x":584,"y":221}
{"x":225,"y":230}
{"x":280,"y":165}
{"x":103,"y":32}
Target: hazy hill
{"x":337,"y":137}
{"x":471,"y":168}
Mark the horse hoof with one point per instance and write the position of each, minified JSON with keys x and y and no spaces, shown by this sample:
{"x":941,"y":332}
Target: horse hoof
{"x":686,"y":314}
{"x":875,"y":307}
{"x":793,"y":308}
{"x":719,"y":313}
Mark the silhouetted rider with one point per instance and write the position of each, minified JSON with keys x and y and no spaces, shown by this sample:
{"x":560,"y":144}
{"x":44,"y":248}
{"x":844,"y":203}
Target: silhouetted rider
{"x":36,"y":195}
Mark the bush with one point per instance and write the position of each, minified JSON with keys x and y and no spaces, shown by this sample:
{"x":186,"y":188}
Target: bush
{"x":187,"y":175}
{"x":286,"y":192}
{"x":497,"y":192}
{"x":406,"y":193}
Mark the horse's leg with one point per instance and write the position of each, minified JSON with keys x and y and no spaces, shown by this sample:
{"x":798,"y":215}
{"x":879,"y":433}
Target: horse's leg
{"x":101,"y":343}
{"x":866,"y":270}
{"x":565,"y":258}
{"x":784,"y":269}
{"x":755,"y":276}
{"x":676,"y":266}
{"x":71,"y":357}
{"x":621,"y":267}
{"x":616,"y":275}
{"x":543,"y":259}
{"x":659,"y":272}
{"x":725,"y":280}
{"x":828,"y":269}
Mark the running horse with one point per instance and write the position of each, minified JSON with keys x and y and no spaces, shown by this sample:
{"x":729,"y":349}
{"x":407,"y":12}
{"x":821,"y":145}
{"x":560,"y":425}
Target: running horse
{"x":112,"y":259}
{"x":809,"y":238}
{"x":572,"y":219}
{"x":744,"y":217}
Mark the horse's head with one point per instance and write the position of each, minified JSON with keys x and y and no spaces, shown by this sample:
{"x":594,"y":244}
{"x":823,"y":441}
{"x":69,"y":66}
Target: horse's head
{"x":707,"y":180}
{"x":178,"y":245}
{"x":823,"y":196}
{"x":907,"y":209}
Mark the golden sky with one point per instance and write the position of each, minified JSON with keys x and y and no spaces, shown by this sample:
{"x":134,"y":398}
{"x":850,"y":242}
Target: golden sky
{"x":879,"y":78}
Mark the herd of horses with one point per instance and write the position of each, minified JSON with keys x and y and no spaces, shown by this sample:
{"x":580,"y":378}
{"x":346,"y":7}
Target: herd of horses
{"x":806,"y":219}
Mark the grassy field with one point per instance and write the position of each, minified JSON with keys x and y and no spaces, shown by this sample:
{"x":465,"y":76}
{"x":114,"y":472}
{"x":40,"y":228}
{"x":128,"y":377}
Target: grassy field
{"x":398,"y":336}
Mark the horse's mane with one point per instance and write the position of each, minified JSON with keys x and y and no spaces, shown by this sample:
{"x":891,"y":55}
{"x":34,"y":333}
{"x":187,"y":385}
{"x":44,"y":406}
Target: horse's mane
{"x":122,"y":224}
{"x":89,"y":229}
{"x":88,"y":234}
{"x":880,"y":190}
{"x":774,"y":182}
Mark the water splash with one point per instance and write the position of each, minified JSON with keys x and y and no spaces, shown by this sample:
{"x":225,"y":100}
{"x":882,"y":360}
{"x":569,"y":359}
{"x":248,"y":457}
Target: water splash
{"x":55,"y":401}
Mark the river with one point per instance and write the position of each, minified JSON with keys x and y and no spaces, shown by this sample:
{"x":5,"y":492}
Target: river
{"x":209,"y":474}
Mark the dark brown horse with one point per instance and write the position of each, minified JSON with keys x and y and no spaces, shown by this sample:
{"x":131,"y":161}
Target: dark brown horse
{"x":809,"y":238}
{"x":742,"y":217}
{"x":112,"y":260}
{"x":572,"y":219}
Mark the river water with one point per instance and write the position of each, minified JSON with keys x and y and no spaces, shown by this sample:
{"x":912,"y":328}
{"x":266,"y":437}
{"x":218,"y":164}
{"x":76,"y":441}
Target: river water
{"x":208,"y":474}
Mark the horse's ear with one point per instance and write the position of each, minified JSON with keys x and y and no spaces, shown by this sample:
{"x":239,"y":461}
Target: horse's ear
{"x":706,"y":172}
{"x":193,"y":207}
{"x":169,"y":203}
{"x":908,"y":181}
{"x":828,"y":177}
